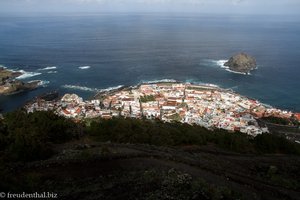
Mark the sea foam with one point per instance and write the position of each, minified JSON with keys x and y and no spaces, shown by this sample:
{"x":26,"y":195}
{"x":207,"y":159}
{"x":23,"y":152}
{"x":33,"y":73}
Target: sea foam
{"x":221,"y":63}
{"x":84,"y":67}
{"x":44,"y":83}
{"x":52,"y":72}
{"x":77,"y":87}
{"x":48,"y":68}
{"x":83,"y":88}
{"x":2,"y":66}
{"x":160,"y":81}
{"x":237,"y":72}
{"x":41,"y":83}
{"x":191,"y":81}
{"x":111,"y":88}
{"x":26,"y":75}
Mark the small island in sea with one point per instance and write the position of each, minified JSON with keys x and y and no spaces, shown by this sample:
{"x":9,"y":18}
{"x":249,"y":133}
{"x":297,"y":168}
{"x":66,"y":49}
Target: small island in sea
{"x":241,"y":63}
{"x":10,"y":85}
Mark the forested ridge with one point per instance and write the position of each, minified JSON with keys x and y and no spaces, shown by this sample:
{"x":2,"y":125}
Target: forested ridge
{"x":26,"y":137}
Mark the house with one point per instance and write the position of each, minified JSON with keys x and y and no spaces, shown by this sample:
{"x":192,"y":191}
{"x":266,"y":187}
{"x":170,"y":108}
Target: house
{"x":297,"y":116}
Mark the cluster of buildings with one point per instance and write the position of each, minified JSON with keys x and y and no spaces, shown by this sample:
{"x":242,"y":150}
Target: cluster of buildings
{"x":205,"y":105}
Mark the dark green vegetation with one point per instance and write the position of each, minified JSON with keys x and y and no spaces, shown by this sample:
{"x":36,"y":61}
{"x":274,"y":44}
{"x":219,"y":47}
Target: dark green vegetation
{"x":176,"y":134}
{"x":142,"y":159}
{"x":147,"y":98}
{"x":281,"y":121}
{"x":27,"y":137}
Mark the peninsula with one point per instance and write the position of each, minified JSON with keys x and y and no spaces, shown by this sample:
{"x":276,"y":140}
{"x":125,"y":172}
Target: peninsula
{"x":242,"y":63}
{"x":205,"y":105}
{"x":9,"y":85}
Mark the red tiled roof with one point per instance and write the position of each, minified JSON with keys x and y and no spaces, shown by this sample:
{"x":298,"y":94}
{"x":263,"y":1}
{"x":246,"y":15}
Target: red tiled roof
{"x":78,"y":110}
{"x":297,"y":115}
{"x":128,"y":99}
{"x":171,"y":103}
{"x":66,"y":112}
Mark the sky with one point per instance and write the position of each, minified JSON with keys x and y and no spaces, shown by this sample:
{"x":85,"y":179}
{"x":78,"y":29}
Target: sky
{"x":277,"y":7}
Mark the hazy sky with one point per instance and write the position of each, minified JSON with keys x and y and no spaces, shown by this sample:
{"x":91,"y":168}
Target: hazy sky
{"x":200,"y":6}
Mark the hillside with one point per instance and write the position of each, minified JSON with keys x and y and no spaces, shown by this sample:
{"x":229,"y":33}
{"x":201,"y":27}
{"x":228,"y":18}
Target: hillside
{"x":142,"y":159}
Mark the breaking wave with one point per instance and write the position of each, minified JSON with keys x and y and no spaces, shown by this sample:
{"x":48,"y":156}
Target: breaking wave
{"x":221,"y":63}
{"x":52,"y":72}
{"x":201,"y":83}
{"x":48,"y":68}
{"x":2,"y":66}
{"x":83,"y":88}
{"x":42,"y":83}
{"x":84,"y":67}
{"x":176,"y":81}
{"x":238,"y":72}
{"x":161,"y":81}
{"x":111,"y":88}
{"x":77,"y":87}
{"x":26,"y":75}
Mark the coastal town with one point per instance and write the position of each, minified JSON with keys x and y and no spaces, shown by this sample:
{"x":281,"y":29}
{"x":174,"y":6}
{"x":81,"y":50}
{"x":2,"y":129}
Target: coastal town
{"x":205,"y":105}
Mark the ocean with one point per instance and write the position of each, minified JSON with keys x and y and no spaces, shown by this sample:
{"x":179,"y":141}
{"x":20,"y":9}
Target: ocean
{"x":84,"y":53}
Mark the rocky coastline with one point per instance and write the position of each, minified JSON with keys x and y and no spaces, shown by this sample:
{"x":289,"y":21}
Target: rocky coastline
{"x":242,"y":63}
{"x":10,"y":85}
